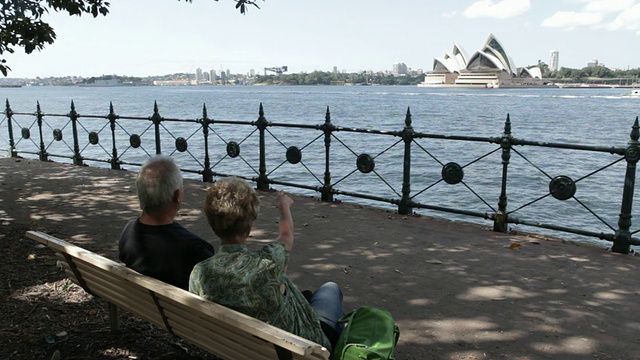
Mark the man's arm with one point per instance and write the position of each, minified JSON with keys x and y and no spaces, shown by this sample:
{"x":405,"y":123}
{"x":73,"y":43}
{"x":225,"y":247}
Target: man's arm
{"x":285,"y":227}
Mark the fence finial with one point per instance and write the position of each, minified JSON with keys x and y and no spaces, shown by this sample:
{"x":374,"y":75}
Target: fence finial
{"x":635,"y":130}
{"x":204,"y":111}
{"x":407,"y":119}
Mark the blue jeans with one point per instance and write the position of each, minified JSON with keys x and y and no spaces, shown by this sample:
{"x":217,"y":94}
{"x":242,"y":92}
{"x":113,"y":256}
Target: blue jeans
{"x":327,"y":302}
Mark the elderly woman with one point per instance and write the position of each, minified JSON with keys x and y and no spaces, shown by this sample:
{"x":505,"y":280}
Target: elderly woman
{"x":255,"y":282}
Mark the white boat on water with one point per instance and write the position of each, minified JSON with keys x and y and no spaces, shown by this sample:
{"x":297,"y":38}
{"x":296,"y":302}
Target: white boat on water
{"x":635,"y":93}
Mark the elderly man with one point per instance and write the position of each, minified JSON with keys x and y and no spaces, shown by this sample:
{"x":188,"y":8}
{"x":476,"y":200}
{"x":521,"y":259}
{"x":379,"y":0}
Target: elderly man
{"x":154,"y":244}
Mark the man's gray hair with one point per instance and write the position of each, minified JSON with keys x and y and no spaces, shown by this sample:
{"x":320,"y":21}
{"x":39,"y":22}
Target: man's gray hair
{"x":157,"y":181}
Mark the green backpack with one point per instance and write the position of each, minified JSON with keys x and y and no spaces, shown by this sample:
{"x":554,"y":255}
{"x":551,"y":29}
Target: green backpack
{"x":370,"y":334}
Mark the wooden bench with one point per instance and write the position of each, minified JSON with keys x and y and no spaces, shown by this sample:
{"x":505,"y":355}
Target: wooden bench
{"x":217,"y":329}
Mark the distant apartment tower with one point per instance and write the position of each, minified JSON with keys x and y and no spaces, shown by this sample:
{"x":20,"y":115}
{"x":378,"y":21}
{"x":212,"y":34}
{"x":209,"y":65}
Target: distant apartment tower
{"x":212,"y":76}
{"x":400,"y":69}
{"x":553,"y":64}
{"x":199,"y":75}
{"x":252,"y":72}
{"x":335,"y":69}
{"x":592,"y":63}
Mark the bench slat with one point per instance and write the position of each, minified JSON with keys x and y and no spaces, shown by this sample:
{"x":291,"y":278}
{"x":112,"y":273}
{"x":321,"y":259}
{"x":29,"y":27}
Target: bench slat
{"x":213,"y":327}
{"x":184,"y":318}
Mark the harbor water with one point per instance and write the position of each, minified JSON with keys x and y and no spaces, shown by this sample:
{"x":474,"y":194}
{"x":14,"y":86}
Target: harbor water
{"x":594,"y":117}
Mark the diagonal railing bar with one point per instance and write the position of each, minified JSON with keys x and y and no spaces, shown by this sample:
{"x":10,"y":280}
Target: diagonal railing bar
{"x":99,"y":144}
{"x":593,"y":213}
{"x":140,"y":135}
{"x":531,"y":163}
{"x":387,"y":183}
{"x":277,"y":167}
{"x":333,"y":136}
{"x":481,"y":157}
{"x":387,"y":149}
{"x":478,"y":196}
{"x":428,"y":153}
{"x":240,"y":143}
{"x":301,"y":162}
{"x":599,"y":170}
{"x":529,"y":203}
{"x":428,"y":187}
{"x":346,"y":176}
{"x":30,"y":138}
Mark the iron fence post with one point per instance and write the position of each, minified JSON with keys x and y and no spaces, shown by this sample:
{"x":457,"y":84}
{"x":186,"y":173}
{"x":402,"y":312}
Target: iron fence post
{"x":115,"y":162}
{"x":73,"y":115}
{"x":501,"y":219}
{"x":263,"y":181}
{"x":156,"y":119}
{"x":622,"y":240}
{"x":43,"y":151}
{"x":207,"y":176}
{"x":327,"y":128}
{"x":12,"y":145}
{"x":404,"y":208}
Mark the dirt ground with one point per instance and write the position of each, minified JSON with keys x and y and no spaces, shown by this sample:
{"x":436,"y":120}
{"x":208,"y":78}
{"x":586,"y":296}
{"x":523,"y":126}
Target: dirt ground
{"x":46,"y":316}
{"x":456,"y":290}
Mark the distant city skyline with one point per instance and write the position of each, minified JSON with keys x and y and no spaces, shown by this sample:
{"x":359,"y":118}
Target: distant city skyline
{"x":147,"y":38}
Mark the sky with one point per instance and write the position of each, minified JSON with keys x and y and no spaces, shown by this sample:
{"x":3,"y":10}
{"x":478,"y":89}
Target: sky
{"x":157,"y":37}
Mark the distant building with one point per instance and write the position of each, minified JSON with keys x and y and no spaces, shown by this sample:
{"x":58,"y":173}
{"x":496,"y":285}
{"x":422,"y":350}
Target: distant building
{"x":553,"y":63}
{"x":252,"y":72}
{"x":592,"y":63}
{"x":335,"y":69}
{"x":212,"y":76}
{"x":199,"y":75}
{"x":400,"y":69}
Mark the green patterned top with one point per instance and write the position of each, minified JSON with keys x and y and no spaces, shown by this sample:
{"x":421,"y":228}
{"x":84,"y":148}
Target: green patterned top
{"x":250,"y":282}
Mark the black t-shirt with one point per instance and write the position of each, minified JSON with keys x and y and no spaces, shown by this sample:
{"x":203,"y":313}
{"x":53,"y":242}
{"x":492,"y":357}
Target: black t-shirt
{"x":165,"y":252}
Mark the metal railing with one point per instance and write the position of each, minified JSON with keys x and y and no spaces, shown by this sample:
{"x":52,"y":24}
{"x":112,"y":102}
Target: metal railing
{"x":213,"y":155}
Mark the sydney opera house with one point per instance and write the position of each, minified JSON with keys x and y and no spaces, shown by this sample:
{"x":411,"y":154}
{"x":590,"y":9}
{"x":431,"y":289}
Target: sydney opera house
{"x":489,"y":67}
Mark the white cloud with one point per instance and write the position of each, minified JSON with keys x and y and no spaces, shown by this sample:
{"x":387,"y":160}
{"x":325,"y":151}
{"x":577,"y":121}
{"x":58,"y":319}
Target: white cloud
{"x":629,"y":19}
{"x":501,"y":9}
{"x":448,"y":15}
{"x":607,"y":6}
{"x":570,"y":19}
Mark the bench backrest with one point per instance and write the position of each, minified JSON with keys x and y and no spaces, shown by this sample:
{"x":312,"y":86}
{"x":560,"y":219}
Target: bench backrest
{"x":219,"y":330}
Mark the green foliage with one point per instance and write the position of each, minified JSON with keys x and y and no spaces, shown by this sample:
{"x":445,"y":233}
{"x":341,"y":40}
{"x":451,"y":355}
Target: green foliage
{"x":330,"y":78}
{"x":241,"y":4}
{"x":21,"y":24}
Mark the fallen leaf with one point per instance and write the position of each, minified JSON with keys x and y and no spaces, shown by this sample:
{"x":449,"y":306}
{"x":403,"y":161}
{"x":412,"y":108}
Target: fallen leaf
{"x":515,"y":246}
{"x":434,"y":262}
{"x":399,"y":272}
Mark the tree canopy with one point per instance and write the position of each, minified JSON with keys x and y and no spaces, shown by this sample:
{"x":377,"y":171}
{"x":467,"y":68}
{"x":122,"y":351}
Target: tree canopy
{"x":22,"y":26}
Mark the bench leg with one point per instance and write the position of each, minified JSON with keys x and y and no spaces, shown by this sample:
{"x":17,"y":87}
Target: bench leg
{"x":283,"y":354}
{"x":114,"y":317}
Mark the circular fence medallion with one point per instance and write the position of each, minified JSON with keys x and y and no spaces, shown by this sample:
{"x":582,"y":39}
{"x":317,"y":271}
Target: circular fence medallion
{"x":365,"y":163}
{"x":294,"y":155}
{"x":452,"y":173}
{"x":135,"y":141}
{"x":632,"y":154}
{"x":233,"y":149}
{"x":94,"y":138}
{"x":562,"y":187}
{"x":26,"y":133}
{"x":57,"y":134}
{"x":181,"y":144}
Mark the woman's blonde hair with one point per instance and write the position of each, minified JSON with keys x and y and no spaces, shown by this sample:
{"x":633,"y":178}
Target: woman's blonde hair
{"x":231,"y":206}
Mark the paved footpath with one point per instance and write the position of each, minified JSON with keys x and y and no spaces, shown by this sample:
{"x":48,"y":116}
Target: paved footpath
{"x":457,"y":291}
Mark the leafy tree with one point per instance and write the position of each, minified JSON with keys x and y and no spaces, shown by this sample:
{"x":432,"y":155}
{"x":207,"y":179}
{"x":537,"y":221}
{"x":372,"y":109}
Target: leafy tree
{"x":21,"y":24}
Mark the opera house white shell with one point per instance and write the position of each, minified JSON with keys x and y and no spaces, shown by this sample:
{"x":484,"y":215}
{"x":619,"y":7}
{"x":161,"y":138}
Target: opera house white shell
{"x":489,"y":67}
